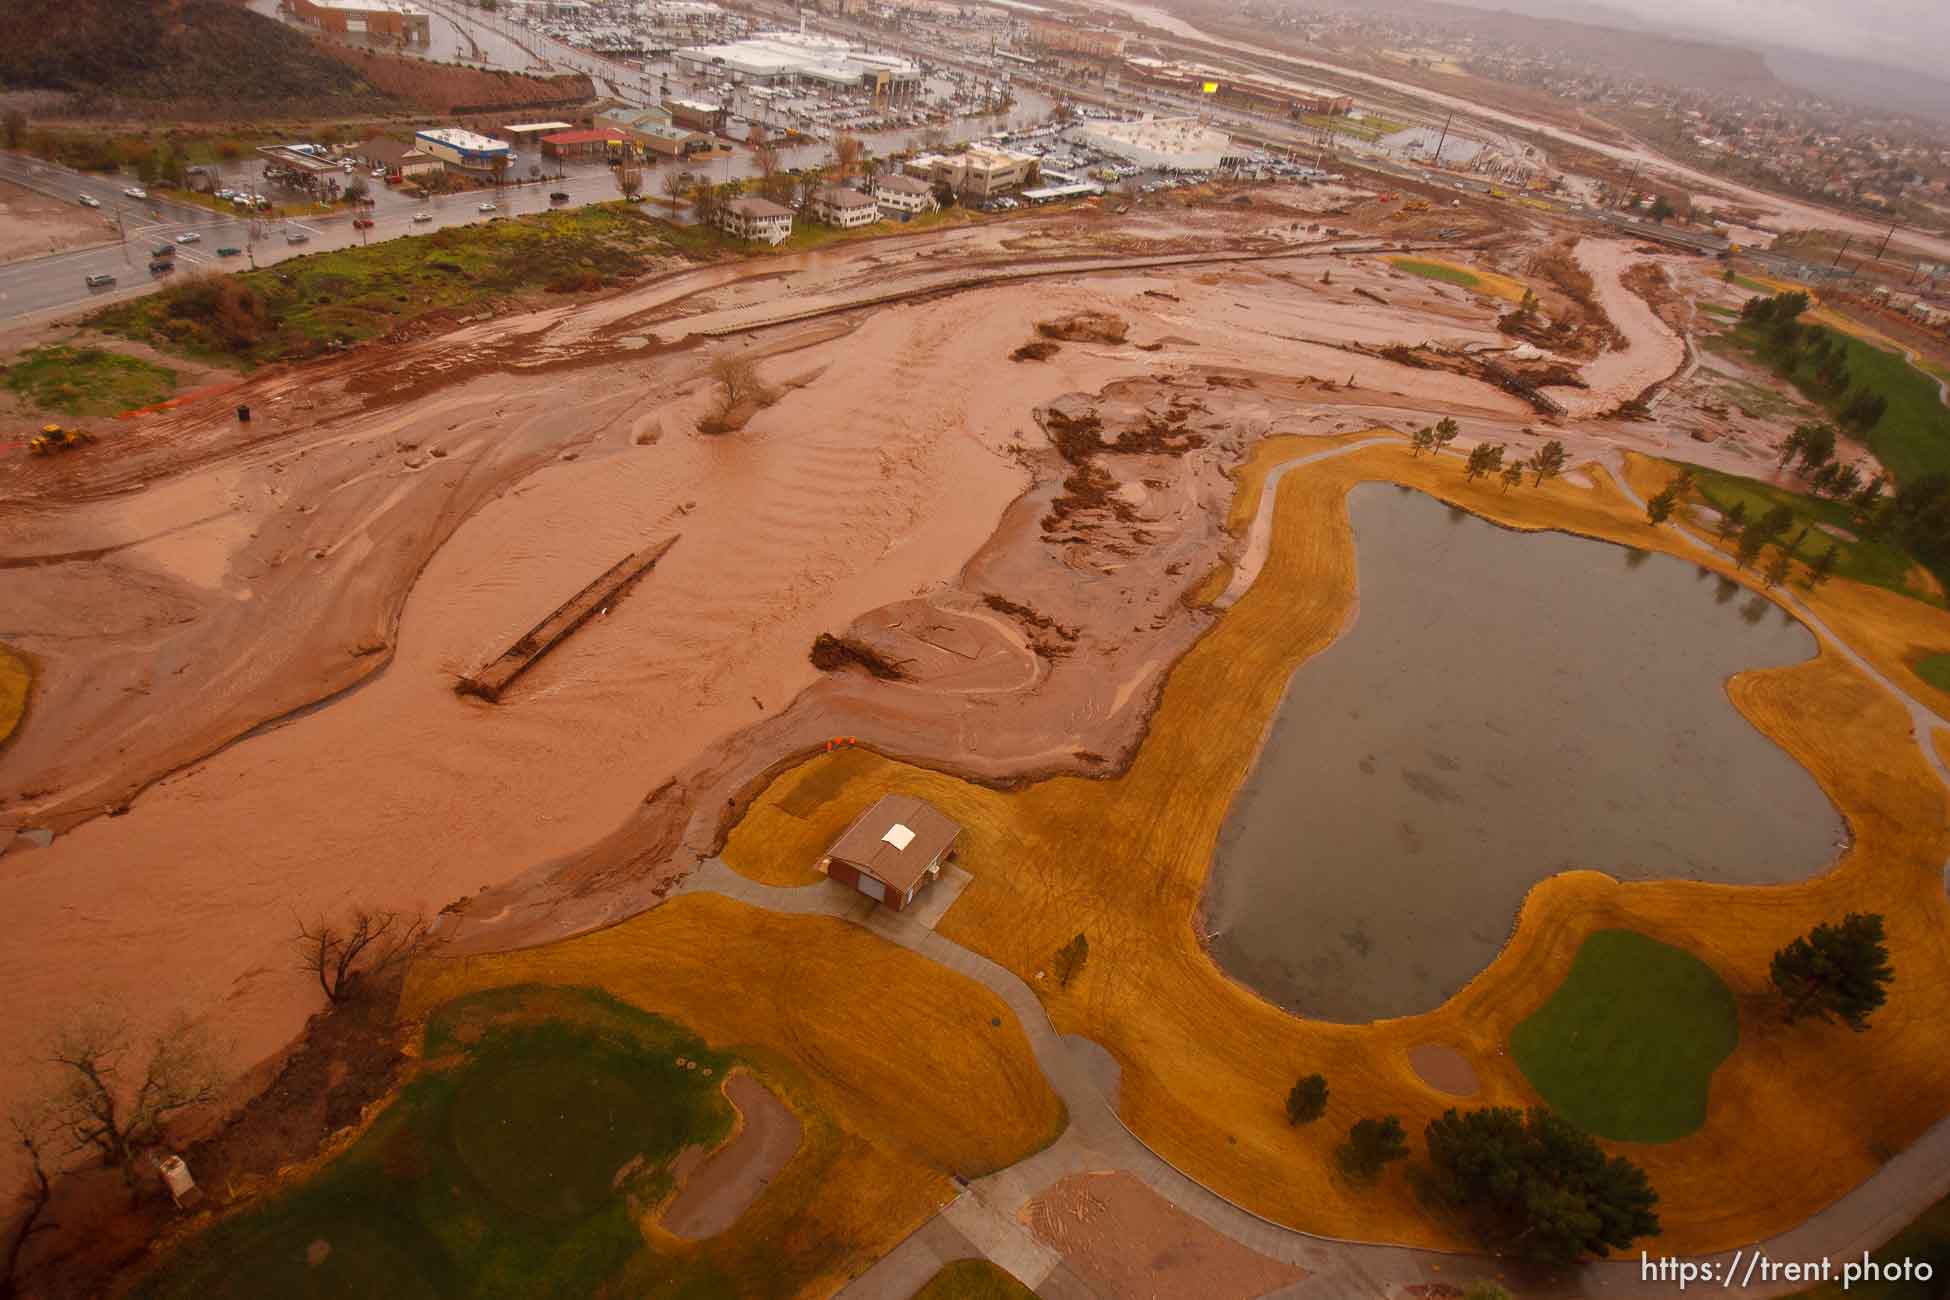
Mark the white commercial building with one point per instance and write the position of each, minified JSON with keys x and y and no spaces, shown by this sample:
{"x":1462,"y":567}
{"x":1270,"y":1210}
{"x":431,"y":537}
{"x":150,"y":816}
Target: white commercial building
{"x":1167,"y":143}
{"x":450,"y":144}
{"x":795,"y":58}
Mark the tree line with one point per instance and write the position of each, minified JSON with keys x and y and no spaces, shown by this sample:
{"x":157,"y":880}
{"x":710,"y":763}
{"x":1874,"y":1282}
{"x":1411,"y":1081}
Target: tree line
{"x":1810,"y":357}
{"x":1487,"y":459}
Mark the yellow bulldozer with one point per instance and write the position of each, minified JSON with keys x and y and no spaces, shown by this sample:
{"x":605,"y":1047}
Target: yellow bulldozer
{"x":53,"y":438}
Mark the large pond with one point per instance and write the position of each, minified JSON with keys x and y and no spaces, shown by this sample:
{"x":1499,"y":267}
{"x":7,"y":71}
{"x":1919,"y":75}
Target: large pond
{"x":1506,"y":706}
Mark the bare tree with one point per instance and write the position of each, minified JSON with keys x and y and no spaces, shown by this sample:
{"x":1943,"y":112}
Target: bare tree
{"x":707,"y":200}
{"x":629,"y":178}
{"x":774,"y":182}
{"x":101,"y":1105}
{"x":847,"y":151}
{"x":28,"y":1128}
{"x":738,"y":382}
{"x":365,"y":944}
{"x":676,"y":183}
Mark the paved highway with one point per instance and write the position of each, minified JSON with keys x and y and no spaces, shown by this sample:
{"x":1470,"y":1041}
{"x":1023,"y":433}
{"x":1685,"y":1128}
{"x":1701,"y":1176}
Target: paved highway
{"x":55,"y":281}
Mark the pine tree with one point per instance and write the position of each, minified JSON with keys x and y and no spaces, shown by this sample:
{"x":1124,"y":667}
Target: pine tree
{"x":1444,"y":433}
{"x":1307,"y":1101}
{"x":1070,"y":959}
{"x":1484,"y":458}
{"x":1371,"y":1144}
{"x":1824,"y":566}
{"x":1839,"y":971}
{"x":1549,"y":462}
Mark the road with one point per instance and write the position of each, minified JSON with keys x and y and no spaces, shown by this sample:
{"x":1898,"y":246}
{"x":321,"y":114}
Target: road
{"x":55,"y":281}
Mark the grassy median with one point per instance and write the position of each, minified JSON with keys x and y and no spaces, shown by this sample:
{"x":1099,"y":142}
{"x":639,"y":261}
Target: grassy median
{"x":306,"y":306}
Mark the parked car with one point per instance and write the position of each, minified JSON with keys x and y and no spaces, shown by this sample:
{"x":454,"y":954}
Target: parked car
{"x":362,"y":223}
{"x":161,"y":265}
{"x":163,"y":250}
{"x":136,"y":192}
{"x":295,"y":236}
{"x":89,"y":201}
{"x":228,"y":251}
{"x":558,"y":196}
{"x":189,"y":237}
{"x":99,"y":281}
{"x":422,"y":217}
{"x":485,"y":207}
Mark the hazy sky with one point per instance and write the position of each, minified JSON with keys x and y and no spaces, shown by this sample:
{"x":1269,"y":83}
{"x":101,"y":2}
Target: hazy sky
{"x":1909,"y":33}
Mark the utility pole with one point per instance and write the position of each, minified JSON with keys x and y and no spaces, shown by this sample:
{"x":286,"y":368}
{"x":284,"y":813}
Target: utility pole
{"x":1885,"y":241}
{"x":1838,"y":252}
{"x":1443,"y":138}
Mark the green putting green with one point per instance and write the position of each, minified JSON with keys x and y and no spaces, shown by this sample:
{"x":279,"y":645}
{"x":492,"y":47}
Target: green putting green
{"x":1627,"y":1046}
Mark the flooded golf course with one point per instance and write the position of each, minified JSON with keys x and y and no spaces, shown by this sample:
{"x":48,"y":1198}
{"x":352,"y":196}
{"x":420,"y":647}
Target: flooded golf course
{"x":1504,"y":707}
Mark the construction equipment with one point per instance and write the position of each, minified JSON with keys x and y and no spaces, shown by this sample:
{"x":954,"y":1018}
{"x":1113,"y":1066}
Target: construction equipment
{"x":53,"y":438}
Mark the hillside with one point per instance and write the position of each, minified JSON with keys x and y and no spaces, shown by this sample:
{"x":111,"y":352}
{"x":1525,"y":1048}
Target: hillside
{"x":200,"y":57}
{"x":451,"y":87}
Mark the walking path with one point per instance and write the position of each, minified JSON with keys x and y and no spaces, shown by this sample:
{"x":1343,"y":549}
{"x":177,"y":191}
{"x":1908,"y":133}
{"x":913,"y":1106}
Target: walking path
{"x":985,"y":1221}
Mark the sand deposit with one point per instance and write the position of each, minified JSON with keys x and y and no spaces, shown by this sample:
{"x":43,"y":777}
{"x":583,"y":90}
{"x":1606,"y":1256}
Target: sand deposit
{"x":1129,"y":1243}
{"x":33,"y":224}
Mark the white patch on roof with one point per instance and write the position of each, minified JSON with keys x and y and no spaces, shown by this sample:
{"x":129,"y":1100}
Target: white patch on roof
{"x":899,"y":836}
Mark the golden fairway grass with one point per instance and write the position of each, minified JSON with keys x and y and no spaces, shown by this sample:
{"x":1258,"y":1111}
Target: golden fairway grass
{"x":1490,"y":283}
{"x":16,"y":678}
{"x":894,"y":1064}
{"x":1796,"y":1116}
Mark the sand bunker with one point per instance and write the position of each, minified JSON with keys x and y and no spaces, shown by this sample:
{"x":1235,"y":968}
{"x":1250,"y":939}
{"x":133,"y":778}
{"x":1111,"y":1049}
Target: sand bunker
{"x":715,"y":1189}
{"x":1444,"y":1069}
{"x":1129,"y":1243}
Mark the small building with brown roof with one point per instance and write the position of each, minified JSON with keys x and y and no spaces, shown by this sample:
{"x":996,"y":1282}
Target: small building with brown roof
{"x":893,"y":850}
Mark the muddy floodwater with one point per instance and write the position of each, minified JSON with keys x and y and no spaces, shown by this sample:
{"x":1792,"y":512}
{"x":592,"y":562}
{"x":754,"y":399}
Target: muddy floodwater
{"x":1504,"y":707}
